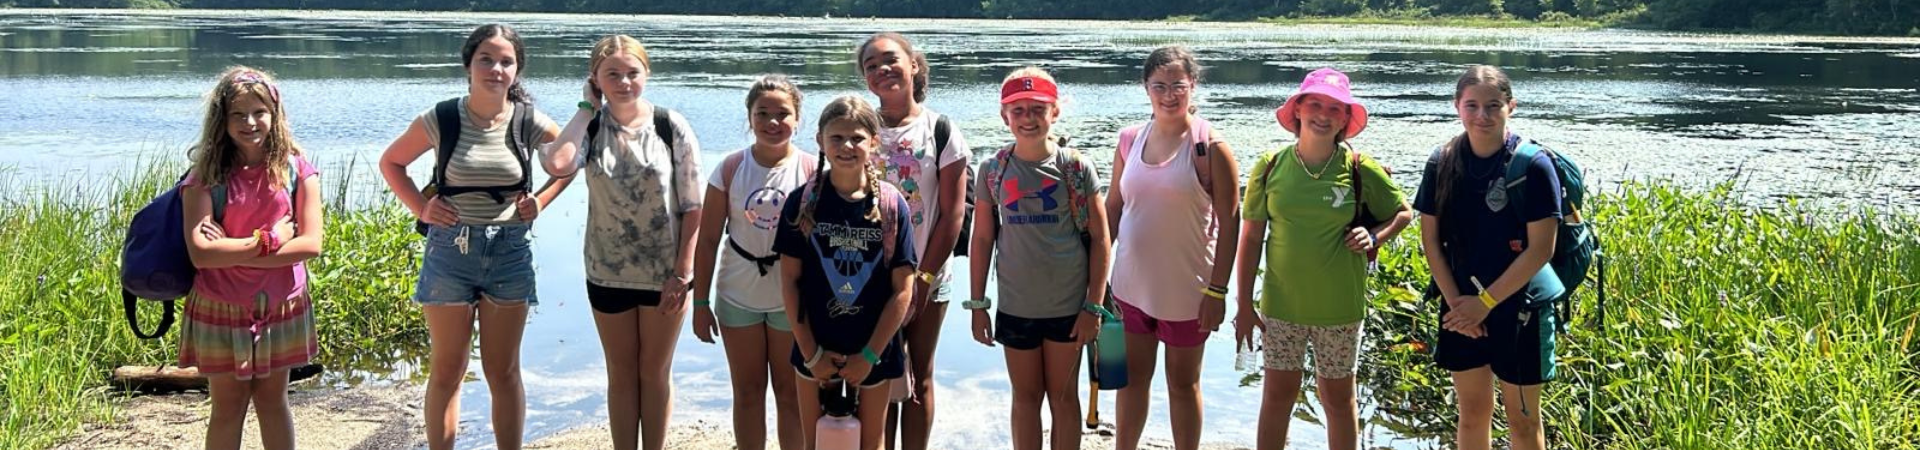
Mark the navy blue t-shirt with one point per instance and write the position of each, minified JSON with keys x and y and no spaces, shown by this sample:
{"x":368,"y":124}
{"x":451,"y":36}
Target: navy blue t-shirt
{"x":853,"y":243}
{"x":1480,"y":240}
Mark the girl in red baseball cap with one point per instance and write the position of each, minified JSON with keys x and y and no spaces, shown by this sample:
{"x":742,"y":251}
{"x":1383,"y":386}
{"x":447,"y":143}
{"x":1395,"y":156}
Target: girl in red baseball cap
{"x":1036,"y":199}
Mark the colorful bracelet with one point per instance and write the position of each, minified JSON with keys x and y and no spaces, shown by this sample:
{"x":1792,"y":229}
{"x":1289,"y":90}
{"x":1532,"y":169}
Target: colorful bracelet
{"x":702,"y":303}
{"x":1210,"y":292}
{"x":872,"y":358}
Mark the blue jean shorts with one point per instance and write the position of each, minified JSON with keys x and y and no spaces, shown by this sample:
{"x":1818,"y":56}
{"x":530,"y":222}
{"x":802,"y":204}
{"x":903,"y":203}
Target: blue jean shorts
{"x":496,"y":261}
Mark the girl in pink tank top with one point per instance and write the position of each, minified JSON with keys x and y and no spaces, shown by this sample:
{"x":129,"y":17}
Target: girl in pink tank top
{"x":1173,"y":186}
{"x":249,"y":320}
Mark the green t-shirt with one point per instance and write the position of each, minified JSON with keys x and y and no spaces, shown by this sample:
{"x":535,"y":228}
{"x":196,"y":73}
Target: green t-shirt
{"x":1311,"y":278}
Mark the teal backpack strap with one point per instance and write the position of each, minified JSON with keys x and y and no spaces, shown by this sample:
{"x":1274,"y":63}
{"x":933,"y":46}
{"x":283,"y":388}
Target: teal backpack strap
{"x":219,"y":191}
{"x":1516,"y":179}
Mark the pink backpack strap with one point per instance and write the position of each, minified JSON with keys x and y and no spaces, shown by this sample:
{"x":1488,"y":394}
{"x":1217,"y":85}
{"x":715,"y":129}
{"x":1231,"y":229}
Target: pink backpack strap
{"x":1202,"y":135}
{"x":729,"y":166}
{"x":889,"y":220}
{"x":1127,"y":136}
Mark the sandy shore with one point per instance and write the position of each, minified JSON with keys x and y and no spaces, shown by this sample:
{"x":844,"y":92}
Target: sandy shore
{"x":370,"y":418}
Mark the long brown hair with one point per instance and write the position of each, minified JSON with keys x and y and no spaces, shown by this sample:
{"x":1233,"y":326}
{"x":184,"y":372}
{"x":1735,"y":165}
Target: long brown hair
{"x":215,"y":155}
{"x":919,"y":77}
{"x":853,"y":109}
{"x":1453,"y":158}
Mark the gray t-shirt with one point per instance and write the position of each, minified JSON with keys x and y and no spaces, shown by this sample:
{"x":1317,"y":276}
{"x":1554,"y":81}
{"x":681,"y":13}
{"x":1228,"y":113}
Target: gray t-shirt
{"x":482,"y":158}
{"x":1041,"y":262}
{"x":637,"y":188}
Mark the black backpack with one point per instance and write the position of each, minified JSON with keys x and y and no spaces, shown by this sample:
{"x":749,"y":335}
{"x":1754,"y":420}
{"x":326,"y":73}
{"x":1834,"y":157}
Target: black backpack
{"x":450,"y":119}
{"x":662,"y":126}
{"x":942,"y":130}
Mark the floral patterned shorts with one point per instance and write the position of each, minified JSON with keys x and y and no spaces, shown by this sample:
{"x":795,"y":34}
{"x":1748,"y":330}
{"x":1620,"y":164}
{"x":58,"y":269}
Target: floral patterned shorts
{"x":1336,"y":348}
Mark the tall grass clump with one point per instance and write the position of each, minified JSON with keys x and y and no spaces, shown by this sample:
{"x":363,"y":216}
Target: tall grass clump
{"x":1724,"y":326}
{"x":64,"y":331}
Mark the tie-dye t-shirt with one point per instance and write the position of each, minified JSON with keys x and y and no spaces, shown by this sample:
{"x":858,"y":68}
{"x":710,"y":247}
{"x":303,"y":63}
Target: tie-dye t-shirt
{"x":637,"y":188}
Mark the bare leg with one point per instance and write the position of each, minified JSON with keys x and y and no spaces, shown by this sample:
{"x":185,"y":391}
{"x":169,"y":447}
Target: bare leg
{"x":270,"y":406}
{"x":1026,"y":369}
{"x":747,"y":362}
{"x":501,"y":327}
{"x":1523,"y":416}
{"x":620,"y":342}
{"x":658,"y":334}
{"x":228,"y":420}
{"x":450,"y":334}
{"x":1183,"y":395}
{"x":1474,"y":390}
{"x":923,"y":337}
{"x":1282,"y":390}
{"x":1063,"y":392}
{"x":1130,"y":414}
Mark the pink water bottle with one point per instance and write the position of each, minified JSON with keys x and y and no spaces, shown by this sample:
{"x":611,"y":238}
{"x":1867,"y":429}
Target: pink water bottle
{"x":839,"y":429}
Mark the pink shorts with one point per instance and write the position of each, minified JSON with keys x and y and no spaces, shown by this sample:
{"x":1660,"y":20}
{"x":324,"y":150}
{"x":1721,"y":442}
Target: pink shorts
{"x":1175,"y":333}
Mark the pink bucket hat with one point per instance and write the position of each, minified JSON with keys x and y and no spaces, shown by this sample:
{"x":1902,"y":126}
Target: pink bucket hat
{"x":1330,"y":83}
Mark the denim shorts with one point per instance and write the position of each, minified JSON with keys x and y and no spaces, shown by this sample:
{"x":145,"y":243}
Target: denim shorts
{"x":496,"y":261}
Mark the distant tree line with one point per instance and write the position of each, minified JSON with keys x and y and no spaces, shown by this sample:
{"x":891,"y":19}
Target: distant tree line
{"x":1878,"y":17}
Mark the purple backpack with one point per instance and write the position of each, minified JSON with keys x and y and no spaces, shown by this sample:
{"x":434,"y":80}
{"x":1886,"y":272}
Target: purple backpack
{"x":153,"y":262}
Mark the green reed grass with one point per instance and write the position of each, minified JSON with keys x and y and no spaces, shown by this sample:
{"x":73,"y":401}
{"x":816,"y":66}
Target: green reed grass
{"x":63,"y":330}
{"x":1725,"y":327}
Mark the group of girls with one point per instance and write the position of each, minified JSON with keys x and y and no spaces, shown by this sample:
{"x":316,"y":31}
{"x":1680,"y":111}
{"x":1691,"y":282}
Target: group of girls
{"x":832,"y":266}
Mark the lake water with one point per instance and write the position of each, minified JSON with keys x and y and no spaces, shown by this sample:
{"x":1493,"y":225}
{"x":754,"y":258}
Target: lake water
{"x":1829,"y":120}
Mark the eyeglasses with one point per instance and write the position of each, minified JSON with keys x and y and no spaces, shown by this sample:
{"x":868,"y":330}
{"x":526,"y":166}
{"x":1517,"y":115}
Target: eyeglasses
{"x":1176,"y":88}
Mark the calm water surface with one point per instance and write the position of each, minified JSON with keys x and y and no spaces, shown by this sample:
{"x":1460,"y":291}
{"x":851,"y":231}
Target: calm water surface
{"x":94,"y":95}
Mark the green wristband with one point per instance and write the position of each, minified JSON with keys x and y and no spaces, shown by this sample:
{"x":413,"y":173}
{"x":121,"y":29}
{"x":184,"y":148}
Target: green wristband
{"x":871,"y":357}
{"x":586,"y":105}
{"x":702,"y":303}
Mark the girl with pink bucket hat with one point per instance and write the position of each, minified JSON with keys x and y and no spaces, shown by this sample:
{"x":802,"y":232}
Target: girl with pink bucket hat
{"x":1316,"y":210}
{"x":1171,"y":206}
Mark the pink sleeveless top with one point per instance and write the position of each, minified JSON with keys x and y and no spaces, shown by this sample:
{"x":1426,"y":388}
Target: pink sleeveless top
{"x":1166,"y":236}
{"x":254,"y":202}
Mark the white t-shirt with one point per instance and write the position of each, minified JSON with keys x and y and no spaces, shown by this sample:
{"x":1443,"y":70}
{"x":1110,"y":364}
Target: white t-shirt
{"x":754,"y":199}
{"x":909,"y":157}
{"x":637,"y":188}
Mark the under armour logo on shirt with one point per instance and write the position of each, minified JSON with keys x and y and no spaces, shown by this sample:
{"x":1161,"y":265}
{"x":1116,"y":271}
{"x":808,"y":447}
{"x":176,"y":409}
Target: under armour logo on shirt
{"x":1044,"y":194}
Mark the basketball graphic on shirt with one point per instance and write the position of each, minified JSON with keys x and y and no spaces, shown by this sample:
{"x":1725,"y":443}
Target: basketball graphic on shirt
{"x":762,"y":207}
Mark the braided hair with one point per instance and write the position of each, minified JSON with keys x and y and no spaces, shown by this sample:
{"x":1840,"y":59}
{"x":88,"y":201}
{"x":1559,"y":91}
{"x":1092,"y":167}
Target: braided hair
{"x":862,"y":114}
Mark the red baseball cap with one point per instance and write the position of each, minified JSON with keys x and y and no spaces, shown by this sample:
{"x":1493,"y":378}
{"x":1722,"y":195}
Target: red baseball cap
{"x":1023,"y":88}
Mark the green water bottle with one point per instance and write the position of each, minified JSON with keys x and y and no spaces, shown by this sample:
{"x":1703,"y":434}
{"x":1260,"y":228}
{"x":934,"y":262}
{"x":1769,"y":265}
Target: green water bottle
{"x":1109,"y":352}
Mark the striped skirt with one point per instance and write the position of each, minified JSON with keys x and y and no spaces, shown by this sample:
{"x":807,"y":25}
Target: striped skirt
{"x":247,"y":342}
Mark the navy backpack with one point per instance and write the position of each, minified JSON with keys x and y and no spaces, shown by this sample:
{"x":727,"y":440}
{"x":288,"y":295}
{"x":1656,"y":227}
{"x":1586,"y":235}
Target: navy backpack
{"x":153,"y":261}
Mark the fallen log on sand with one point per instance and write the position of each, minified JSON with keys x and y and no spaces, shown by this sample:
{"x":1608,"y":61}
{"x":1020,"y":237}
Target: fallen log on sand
{"x":170,"y":379}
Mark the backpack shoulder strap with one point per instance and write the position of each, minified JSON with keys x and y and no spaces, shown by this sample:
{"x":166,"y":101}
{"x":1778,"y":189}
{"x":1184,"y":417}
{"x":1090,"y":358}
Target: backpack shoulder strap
{"x":218,"y":192}
{"x":889,"y":201}
{"x":1202,"y":133}
{"x":942,"y":132}
{"x":1516,"y":178}
{"x":730,"y":165}
{"x":519,"y":131}
{"x":447,"y":118}
{"x":663,"y":126}
{"x":593,"y":134}
{"x":1078,"y":185}
{"x":1355,"y":160}
{"x":995,"y":170}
